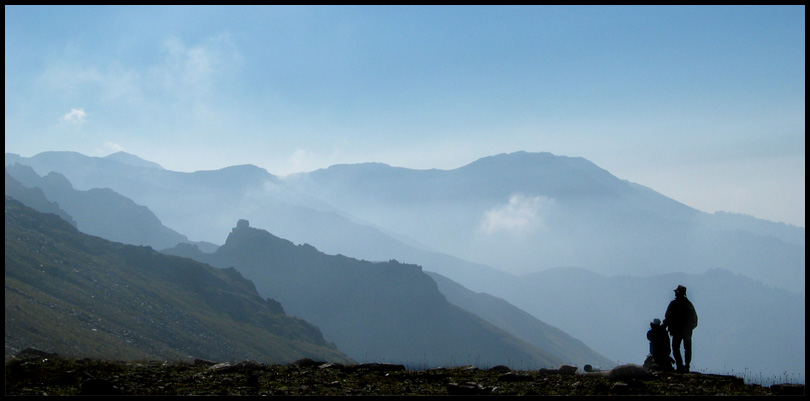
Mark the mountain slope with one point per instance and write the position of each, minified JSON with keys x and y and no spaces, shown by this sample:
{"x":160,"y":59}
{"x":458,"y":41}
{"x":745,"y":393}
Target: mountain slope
{"x":375,"y":312}
{"x":83,"y":296}
{"x":507,"y":316}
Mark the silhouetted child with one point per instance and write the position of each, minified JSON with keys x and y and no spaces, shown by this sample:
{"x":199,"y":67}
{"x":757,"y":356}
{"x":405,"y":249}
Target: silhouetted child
{"x":658,"y":359}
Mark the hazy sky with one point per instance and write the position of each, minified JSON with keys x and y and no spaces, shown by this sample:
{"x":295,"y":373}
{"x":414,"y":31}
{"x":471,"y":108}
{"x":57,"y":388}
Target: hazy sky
{"x":703,"y":104}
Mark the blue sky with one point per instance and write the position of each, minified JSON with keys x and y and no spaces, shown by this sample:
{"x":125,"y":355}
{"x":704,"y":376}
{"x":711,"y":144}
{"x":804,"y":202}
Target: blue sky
{"x":703,"y":104}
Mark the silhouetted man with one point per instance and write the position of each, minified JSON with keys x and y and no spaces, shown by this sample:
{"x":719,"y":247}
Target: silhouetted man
{"x":681,"y":319}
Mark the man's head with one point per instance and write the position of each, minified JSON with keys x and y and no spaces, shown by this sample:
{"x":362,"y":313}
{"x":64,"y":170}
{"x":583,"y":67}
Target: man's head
{"x":680,"y":291}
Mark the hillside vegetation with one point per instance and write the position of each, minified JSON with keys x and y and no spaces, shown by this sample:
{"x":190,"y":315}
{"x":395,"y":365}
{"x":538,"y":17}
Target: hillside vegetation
{"x":83,"y":296}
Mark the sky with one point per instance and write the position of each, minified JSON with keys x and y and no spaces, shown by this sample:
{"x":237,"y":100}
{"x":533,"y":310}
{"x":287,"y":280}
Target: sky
{"x":703,"y":104}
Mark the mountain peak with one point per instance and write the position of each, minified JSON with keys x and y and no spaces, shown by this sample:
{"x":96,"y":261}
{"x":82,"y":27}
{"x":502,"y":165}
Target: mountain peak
{"x":132,"y":160}
{"x":243,"y":236}
{"x":236,"y":178}
{"x":530,"y":158}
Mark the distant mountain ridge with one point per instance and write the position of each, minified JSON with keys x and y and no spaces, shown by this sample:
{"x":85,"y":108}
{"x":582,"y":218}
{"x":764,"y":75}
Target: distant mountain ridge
{"x":782,"y":231}
{"x":101,"y":212}
{"x":525,"y":212}
{"x":128,"y":158}
{"x":34,"y":198}
{"x":83,"y":296}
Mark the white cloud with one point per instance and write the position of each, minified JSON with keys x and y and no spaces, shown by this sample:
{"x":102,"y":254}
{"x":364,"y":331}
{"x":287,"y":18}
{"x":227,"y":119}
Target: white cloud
{"x":195,"y":70}
{"x":107,"y":82}
{"x":303,"y":160}
{"x":75,"y":117}
{"x":521,"y":215}
{"x":112,"y":147}
{"x":181,"y":78}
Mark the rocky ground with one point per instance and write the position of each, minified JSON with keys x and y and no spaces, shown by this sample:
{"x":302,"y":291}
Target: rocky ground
{"x":52,"y":375}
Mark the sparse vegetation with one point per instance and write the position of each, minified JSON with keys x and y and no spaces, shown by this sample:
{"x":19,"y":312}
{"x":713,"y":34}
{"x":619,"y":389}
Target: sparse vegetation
{"x":58,"y":376}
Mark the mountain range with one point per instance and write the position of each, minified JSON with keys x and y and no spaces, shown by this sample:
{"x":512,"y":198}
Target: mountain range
{"x":558,"y":237}
{"x":334,"y":292}
{"x":83,"y":296}
{"x":528,"y":212}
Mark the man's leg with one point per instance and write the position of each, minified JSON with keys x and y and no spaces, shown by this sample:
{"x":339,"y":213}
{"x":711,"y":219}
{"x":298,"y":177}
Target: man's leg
{"x":687,"y":351}
{"x":676,"y":351}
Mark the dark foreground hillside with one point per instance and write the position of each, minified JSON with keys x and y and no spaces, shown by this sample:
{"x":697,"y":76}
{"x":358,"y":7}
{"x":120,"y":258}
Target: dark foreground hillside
{"x":57,"y":376}
{"x":83,"y":296}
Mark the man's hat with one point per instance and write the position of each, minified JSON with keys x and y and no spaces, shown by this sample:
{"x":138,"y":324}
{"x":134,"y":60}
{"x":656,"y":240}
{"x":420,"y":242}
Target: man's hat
{"x":656,"y":321}
{"x":680,"y":290}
